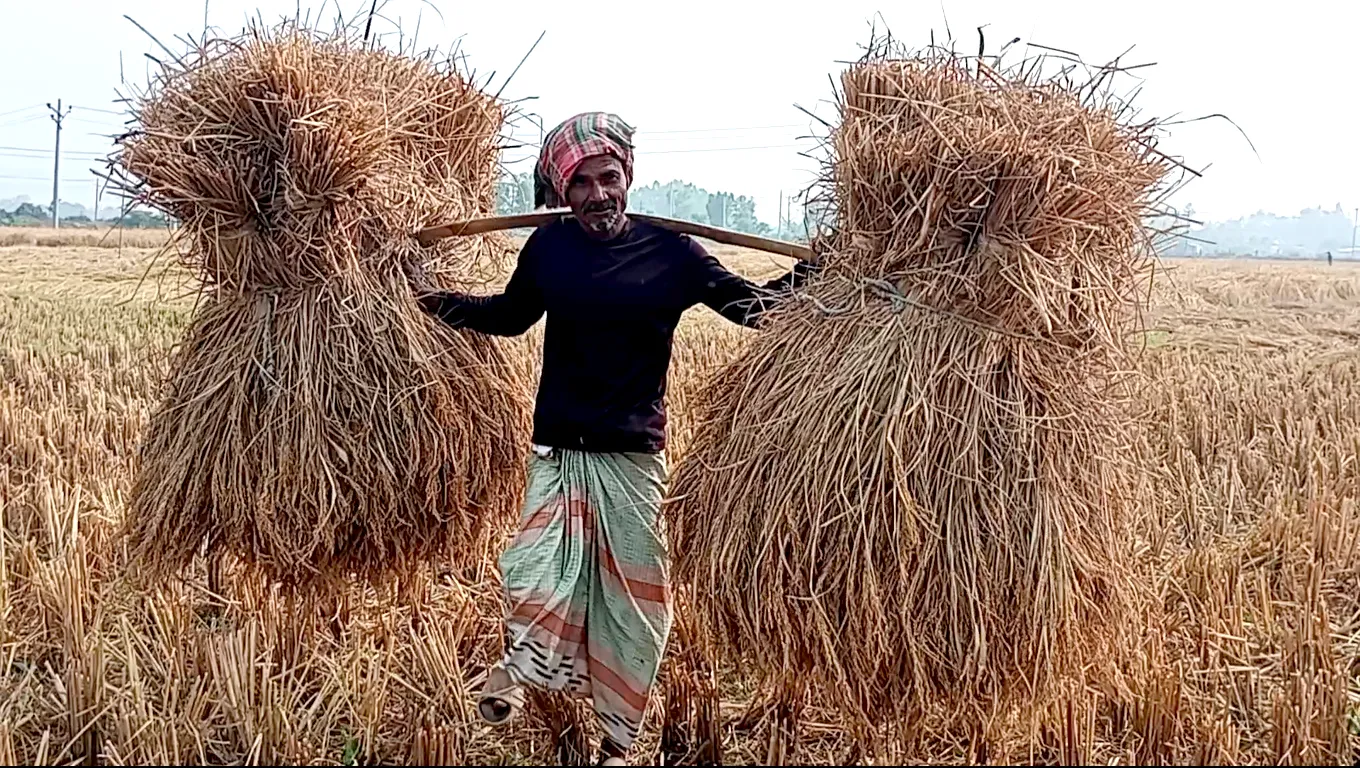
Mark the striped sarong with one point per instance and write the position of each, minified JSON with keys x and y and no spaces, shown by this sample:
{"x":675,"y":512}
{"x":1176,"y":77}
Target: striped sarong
{"x":588,"y":583}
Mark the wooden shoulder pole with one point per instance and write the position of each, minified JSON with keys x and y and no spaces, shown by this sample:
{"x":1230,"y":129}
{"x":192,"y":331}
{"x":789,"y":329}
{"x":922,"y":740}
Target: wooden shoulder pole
{"x":482,"y":225}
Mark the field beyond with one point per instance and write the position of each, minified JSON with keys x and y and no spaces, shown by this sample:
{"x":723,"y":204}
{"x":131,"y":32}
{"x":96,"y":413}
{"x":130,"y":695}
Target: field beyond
{"x":1249,"y":544}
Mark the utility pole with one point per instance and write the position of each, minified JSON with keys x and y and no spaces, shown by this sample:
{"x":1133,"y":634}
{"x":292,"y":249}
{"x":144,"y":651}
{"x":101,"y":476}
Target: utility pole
{"x":57,"y":116}
{"x":781,"y":213}
{"x":1354,"y":224}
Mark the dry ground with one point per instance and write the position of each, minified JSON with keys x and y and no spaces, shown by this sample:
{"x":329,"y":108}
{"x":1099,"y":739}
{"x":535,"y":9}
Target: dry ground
{"x":101,"y":236}
{"x":1249,"y":543}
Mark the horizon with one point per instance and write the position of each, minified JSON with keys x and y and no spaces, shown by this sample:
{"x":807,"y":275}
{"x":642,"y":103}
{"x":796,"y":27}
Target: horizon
{"x":714,"y":103}
{"x":7,"y":203}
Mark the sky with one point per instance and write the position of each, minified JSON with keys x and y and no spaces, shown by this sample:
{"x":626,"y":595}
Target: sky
{"x":714,"y":87}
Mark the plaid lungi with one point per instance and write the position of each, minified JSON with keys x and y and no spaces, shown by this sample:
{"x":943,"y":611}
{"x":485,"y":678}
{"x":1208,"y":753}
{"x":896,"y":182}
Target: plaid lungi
{"x":588,"y":583}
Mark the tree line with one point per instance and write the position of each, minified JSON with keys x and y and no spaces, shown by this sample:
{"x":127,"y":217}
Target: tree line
{"x":515,"y":194}
{"x":1314,"y":231}
{"x":676,"y":199}
{"x":33,"y":215}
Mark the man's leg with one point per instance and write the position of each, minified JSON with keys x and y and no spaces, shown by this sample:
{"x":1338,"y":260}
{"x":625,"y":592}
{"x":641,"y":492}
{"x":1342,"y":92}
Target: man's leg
{"x":629,"y":617}
{"x":546,"y":595}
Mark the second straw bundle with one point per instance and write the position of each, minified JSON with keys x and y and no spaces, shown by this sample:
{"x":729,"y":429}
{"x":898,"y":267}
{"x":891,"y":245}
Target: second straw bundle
{"x":912,"y":488}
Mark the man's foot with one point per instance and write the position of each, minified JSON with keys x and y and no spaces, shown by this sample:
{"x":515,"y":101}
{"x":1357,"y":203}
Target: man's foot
{"x":611,"y":753}
{"x":495,"y":711}
{"x":500,"y":699}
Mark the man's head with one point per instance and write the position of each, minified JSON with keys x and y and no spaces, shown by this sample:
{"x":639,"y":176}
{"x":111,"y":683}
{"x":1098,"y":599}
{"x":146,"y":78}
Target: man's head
{"x":598,"y":195}
{"x":587,"y":163}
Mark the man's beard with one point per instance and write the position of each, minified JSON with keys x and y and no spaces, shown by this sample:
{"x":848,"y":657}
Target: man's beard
{"x":604,"y":216}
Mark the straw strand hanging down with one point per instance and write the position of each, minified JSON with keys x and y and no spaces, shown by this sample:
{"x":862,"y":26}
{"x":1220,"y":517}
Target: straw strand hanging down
{"x":912,"y":488}
{"x":316,"y":423}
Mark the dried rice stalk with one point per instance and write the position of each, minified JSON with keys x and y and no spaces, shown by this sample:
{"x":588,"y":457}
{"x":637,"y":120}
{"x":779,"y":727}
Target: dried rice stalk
{"x":316,"y":422}
{"x":912,"y":488}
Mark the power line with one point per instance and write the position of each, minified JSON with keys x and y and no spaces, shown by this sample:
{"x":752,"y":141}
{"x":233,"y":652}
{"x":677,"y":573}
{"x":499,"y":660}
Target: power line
{"x":93,"y":163}
{"x":104,"y":111}
{"x":670,"y":138}
{"x":695,"y":149}
{"x":76,"y":159}
{"x":48,"y":152}
{"x":77,"y":156}
{"x":721,"y":130}
{"x":45,"y":178}
{"x":716,"y":149}
{"x":17,"y":111}
{"x":22,"y":121}
{"x":101,"y":124}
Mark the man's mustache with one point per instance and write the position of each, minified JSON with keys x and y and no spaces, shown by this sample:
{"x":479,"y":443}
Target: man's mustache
{"x":603,"y":206}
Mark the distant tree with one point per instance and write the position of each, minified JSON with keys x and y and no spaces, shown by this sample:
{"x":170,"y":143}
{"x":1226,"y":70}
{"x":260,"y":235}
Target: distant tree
{"x":515,"y":194}
{"x":1312,"y":232}
{"x":139,"y":219}
{"x":819,"y":213}
{"x":676,"y":199}
{"x":717,"y":210}
{"x":31,"y":211}
{"x":720,"y":209}
{"x":741,"y":216}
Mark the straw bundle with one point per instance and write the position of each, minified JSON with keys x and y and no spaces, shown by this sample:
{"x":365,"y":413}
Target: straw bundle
{"x":911,"y":488}
{"x":316,"y":422}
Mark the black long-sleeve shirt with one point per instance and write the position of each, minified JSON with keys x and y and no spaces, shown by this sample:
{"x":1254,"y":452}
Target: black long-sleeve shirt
{"x":612,"y":311}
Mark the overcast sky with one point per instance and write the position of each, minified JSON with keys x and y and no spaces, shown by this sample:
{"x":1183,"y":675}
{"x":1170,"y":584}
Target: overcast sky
{"x":711,"y":86}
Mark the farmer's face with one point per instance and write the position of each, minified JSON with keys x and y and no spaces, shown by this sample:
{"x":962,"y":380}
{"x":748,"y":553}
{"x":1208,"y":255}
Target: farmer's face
{"x":598,"y":195}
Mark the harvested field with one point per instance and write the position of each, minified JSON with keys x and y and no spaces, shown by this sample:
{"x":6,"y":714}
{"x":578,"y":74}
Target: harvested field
{"x":1250,"y":540}
{"x":87,"y":237}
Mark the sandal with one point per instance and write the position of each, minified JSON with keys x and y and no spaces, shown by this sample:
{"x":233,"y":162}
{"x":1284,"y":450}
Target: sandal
{"x":501,"y":698}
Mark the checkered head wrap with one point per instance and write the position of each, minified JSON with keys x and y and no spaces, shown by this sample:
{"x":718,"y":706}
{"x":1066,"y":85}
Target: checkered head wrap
{"x":571,"y":143}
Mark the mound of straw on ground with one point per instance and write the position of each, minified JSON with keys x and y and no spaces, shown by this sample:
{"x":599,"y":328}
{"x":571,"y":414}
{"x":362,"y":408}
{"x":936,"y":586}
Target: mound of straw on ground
{"x":316,"y":423}
{"x":912,"y":487}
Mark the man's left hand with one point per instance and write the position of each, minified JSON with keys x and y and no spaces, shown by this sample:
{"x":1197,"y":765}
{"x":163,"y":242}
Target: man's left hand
{"x":419,"y":280}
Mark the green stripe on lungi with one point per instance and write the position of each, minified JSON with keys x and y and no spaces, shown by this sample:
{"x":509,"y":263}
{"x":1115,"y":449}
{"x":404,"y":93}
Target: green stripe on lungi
{"x":588,"y":583}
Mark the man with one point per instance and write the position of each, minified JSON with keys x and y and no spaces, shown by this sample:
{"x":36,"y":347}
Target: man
{"x":587,"y":573}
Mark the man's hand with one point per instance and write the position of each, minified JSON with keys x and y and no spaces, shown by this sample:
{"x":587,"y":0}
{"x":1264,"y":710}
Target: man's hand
{"x":419,"y":280}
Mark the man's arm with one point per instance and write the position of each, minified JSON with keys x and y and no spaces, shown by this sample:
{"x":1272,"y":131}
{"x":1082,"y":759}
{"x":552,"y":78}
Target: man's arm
{"x":506,"y":314}
{"x":737,"y":298}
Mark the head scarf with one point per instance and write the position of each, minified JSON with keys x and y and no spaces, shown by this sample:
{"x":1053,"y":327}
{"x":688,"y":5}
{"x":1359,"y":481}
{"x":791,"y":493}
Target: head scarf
{"x":568,"y":145}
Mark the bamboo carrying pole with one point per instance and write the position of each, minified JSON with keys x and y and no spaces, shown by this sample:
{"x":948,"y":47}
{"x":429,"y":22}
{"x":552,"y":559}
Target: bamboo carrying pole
{"x":486,"y":224}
